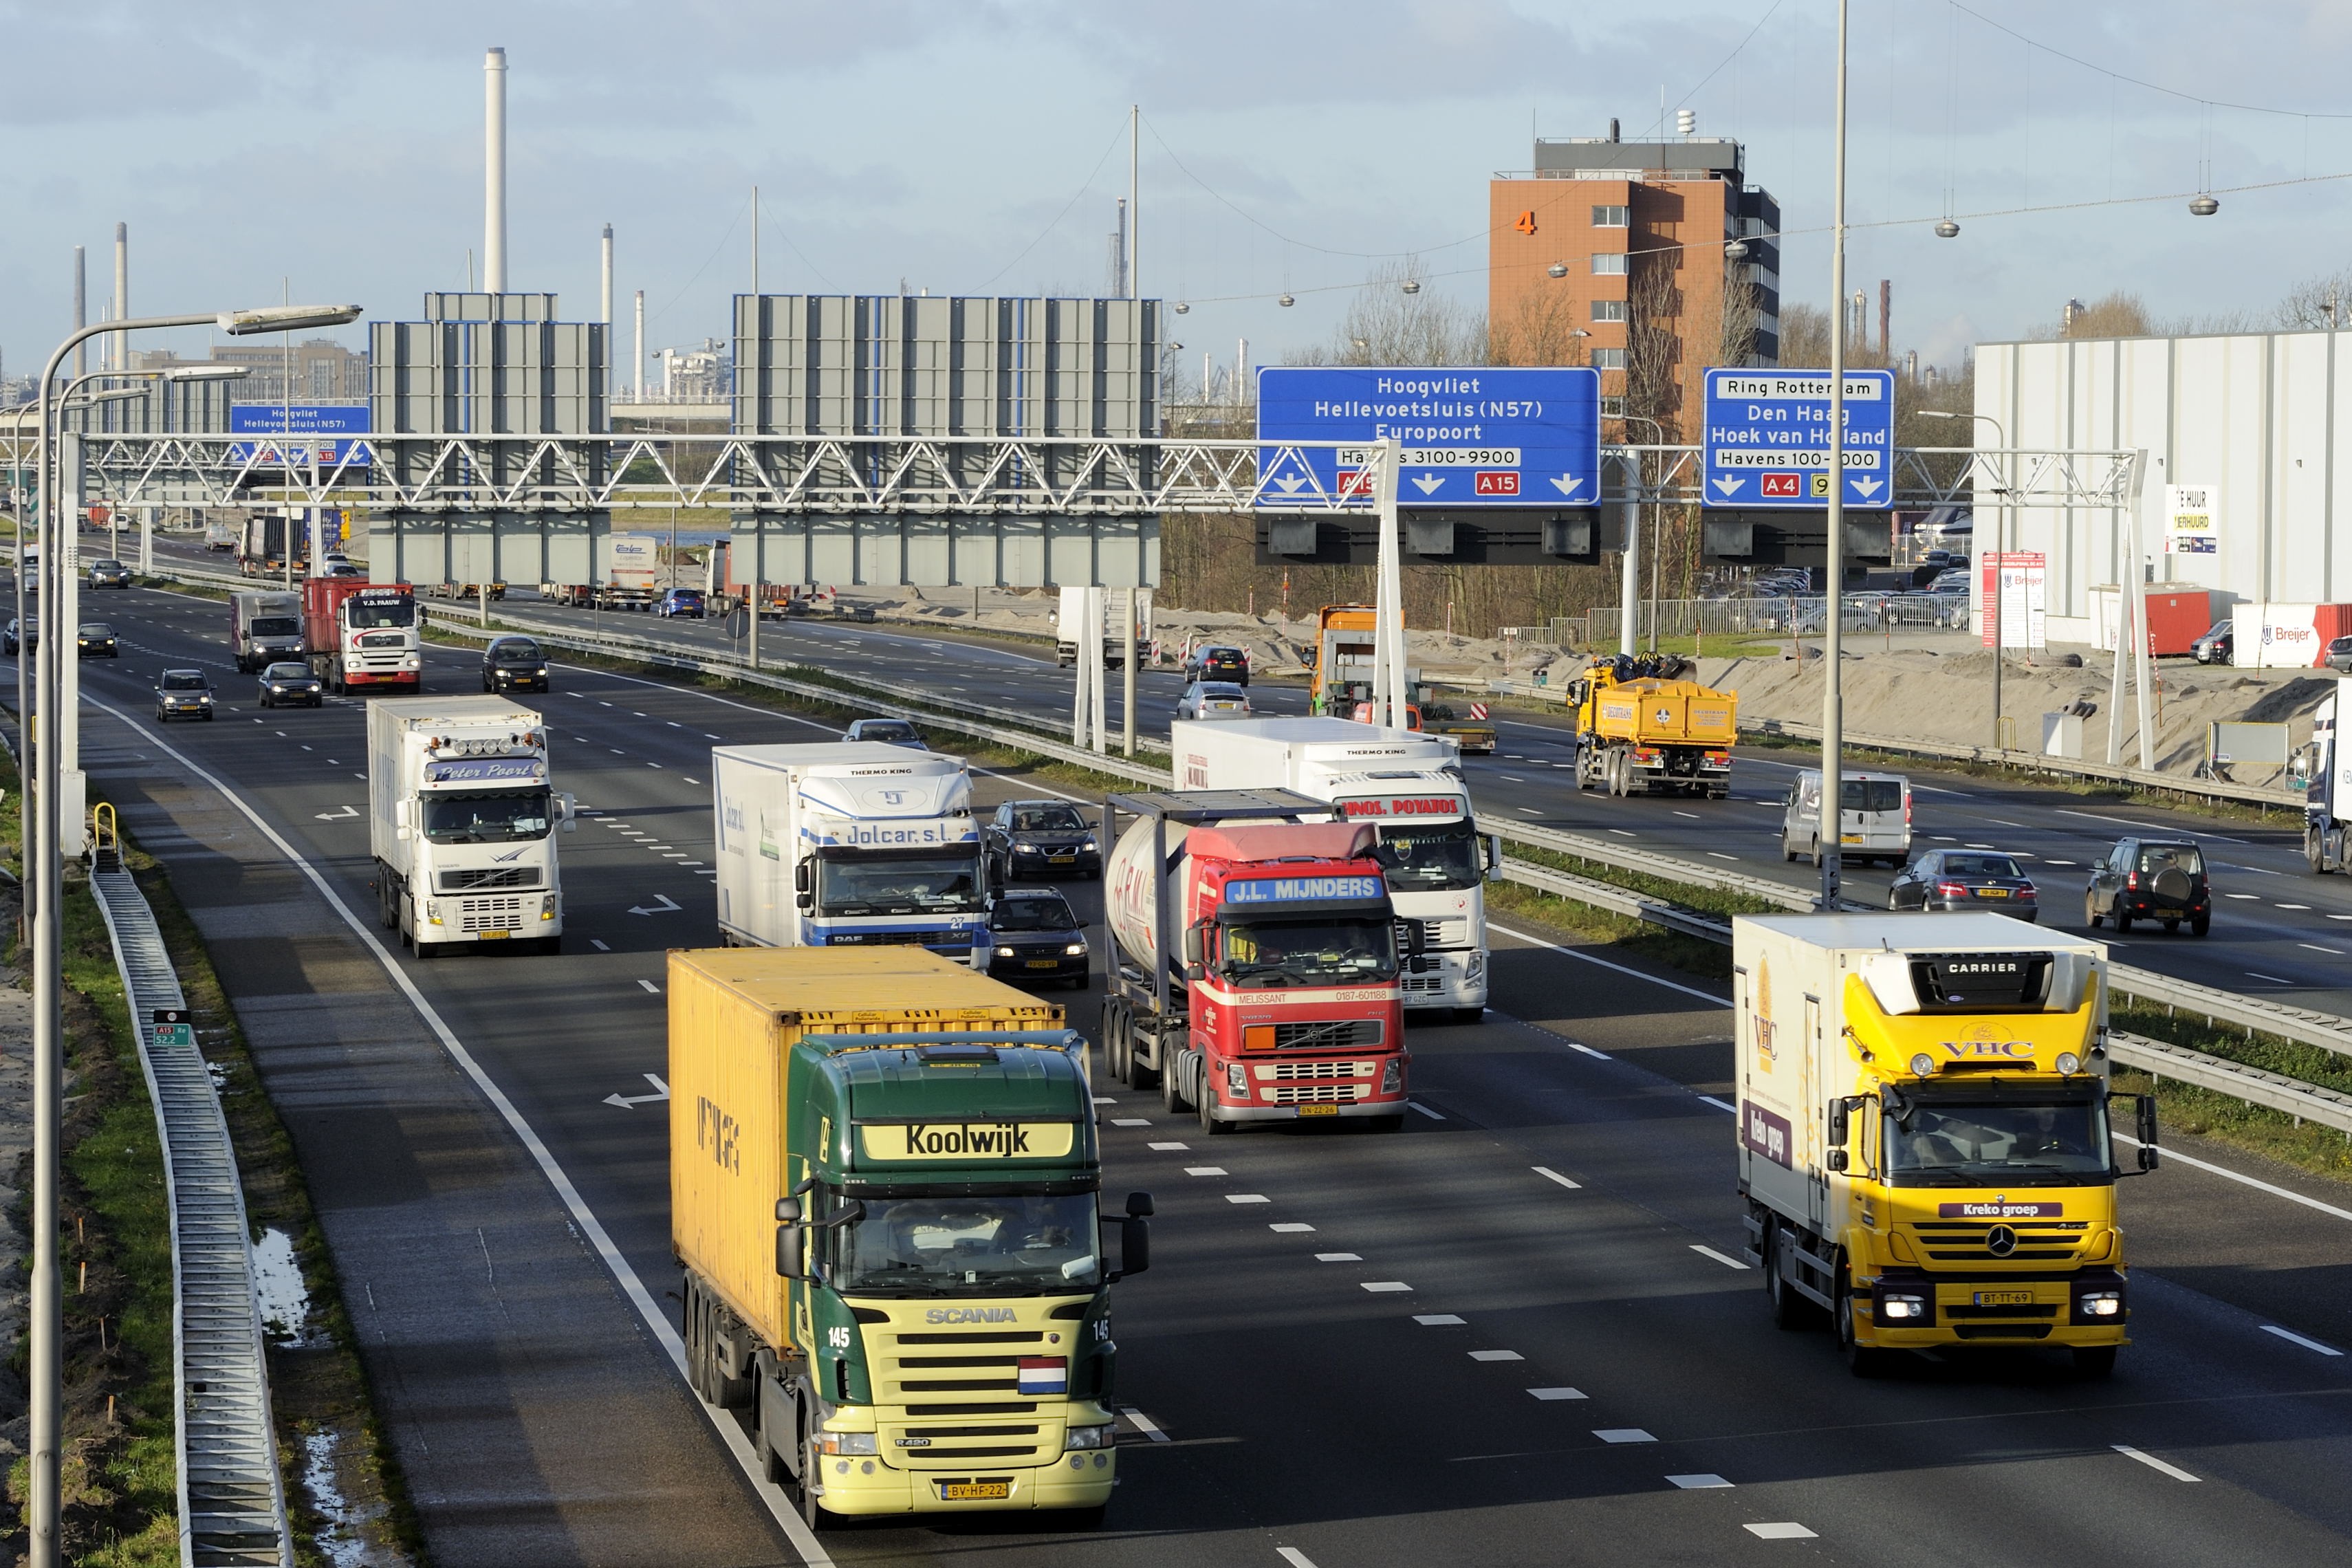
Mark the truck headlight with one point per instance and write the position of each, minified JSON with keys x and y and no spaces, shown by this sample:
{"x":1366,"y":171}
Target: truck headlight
{"x":844,"y":1443}
{"x":1895,"y":1309}
{"x":1088,"y":1436}
{"x":547,"y":907}
{"x":1392,"y":1075}
{"x":2100,"y":1303}
{"x":433,"y":911}
{"x":1923,"y":1064}
{"x":2068,"y":1062}
{"x":1237,"y":1079}
{"x":411,"y":662}
{"x":1076,"y":950}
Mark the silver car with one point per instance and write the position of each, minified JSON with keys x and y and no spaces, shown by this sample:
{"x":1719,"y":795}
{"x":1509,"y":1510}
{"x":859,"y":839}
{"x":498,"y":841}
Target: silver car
{"x":1213,"y":700}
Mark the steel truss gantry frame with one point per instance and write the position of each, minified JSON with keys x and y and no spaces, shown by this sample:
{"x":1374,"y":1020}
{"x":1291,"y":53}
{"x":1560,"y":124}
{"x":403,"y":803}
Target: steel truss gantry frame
{"x":1047,"y":475}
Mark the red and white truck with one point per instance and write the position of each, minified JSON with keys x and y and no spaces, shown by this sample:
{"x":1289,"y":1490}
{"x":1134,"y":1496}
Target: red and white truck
{"x":1255,"y":973}
{"x":361,"y":636}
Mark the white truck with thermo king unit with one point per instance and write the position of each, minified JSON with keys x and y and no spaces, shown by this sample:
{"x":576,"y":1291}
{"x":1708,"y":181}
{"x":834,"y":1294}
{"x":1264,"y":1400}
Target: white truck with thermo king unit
{"x":1408,"y":786}
{"x":845,"y":843}
{"x":462,"y":821}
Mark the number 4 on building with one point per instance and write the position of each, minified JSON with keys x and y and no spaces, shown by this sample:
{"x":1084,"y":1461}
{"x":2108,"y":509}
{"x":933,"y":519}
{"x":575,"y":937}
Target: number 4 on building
{"x":1526,"y":224}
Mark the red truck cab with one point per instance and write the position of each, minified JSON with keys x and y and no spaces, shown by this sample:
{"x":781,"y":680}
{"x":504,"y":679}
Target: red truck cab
{"x":361,"y":635}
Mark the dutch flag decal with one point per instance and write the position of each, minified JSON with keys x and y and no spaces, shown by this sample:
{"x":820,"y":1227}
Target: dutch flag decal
{"x":1044,"y":1375}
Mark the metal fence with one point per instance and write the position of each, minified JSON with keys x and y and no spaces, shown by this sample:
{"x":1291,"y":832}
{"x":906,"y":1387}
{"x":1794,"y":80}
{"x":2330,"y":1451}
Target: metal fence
{"x":1796,"y":616}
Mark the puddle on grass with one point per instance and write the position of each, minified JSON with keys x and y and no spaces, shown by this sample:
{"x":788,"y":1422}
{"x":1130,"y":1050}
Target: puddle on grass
{"x":278,"y":1291}
{"x":338,"y":1537}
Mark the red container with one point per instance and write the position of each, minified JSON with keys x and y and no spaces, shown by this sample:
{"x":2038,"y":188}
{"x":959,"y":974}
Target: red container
{"x":2176,"y":619}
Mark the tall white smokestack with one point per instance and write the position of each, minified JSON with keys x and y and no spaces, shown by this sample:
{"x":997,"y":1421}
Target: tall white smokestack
{"x":640,"y":377}
{"x":494,"y":171}
{"x":122,"y":293}
{"x":81,"y":310}
{"x":606,"y":314}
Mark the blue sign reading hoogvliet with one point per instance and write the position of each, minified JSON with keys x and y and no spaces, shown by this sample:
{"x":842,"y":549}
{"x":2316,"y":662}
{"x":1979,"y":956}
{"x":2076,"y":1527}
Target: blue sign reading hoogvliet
{"x":1472,"y":435}
{"x":1767,"y":438}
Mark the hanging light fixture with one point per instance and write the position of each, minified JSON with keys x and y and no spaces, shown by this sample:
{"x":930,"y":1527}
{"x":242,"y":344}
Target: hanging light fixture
{"x":1736,"y":251}
{"x":1285,"y":301}
{"x":1412,"y":286}
{"x":1174,"y":348}
{"x":2204,"y":205}
{"x":1947,"y":230}
{"x":1557,"y":269}
{"x":1182,"y":308}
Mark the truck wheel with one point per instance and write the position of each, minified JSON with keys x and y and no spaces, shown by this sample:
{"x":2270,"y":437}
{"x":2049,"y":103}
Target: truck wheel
{"x":1172,"y":1099}
{"x":1209,"y":1123}
{"x":1862,"y":1359}
{"x":1789,"y":1310}
{"x":2315,"y":852}
{"x":2094,"y":1360}
{"x":804,"y":1492}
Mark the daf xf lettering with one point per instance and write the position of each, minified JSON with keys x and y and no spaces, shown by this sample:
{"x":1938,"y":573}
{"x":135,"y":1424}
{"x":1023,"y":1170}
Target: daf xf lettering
{"x":1409,"y":788}
{"x":845,"y":844}
{"x":1256,"y":972}
{"x":462,"y":821}
{"x":885,"y":1195}
{"x":1923,"y":1134}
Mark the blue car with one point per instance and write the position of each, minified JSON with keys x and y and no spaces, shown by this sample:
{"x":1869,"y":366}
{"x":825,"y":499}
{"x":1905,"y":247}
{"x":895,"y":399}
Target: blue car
{"x":686,"y":602}
{"x":1031,"y":934}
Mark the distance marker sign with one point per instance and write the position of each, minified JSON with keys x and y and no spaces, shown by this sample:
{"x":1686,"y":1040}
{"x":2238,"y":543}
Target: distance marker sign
{"x":1768,"y":441}
{"x":1472,"y":435}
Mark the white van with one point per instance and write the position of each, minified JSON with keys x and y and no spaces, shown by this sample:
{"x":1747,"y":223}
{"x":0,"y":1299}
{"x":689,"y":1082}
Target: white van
{"x":1874,"y":821}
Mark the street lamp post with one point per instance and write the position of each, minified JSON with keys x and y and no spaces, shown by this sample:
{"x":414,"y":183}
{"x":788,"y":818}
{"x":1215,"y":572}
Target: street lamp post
{"x":1629,"y":590}
{"x":45,"y":873}
{"x":1832,"y":814}
{"x":1999,"y":553}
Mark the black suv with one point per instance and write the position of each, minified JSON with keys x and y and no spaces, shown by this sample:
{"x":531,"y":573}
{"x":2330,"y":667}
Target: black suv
{"x":514,"y":664}
{"x":1031,"y":838}
{"x":1031,"y":933}
{"x":1218,"y":661}
{"x":2151,"y":879}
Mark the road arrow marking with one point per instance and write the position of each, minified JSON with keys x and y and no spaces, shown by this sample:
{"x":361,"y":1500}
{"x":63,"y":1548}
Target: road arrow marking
{"x":1567,"y":484}
{"x":346,"y":815}
{"x":662,"y":905}
{"x":1729,"y":486}
{"x":1867,"y":487}
{"x":1428,"y":483}
{"x":629,"y":1102}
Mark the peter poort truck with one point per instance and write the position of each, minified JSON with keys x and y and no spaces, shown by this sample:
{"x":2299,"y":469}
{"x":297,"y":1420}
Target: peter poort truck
{"x":884,"y":1193}
{"x":1923,"y":1134}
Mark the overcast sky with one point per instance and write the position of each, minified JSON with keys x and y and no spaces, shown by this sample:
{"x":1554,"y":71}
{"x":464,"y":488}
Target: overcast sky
{"x":968,"y":146}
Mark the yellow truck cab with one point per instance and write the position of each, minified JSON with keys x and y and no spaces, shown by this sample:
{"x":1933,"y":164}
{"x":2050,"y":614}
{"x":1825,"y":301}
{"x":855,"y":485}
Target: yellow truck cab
{"x":1922,"y":1139}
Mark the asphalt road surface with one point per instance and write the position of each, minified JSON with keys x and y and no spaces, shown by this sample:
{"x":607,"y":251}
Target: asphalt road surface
{"x":1519,"y":1333}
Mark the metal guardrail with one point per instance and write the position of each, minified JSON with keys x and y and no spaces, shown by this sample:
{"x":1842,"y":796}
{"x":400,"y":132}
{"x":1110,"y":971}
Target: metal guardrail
{"x":2305,"y":1102}
{"x":232,"y":1497}
{"x":1618,"y":901}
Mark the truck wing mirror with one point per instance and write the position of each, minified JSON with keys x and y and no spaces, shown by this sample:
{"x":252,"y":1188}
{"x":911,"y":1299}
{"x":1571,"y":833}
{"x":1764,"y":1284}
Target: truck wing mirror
{"x":804,"y":877}
{"x":1493,"y":856}
{"x":1836,"y":1160}
{"x":1134,"y":1242}
{"x":1138,"y":1204}
{"x":788,"y":1210}
{"x":567,"y":802}
{"x":1192,"y":944}
{"x":792,"y":1252}
{"x":1840,"y":1121}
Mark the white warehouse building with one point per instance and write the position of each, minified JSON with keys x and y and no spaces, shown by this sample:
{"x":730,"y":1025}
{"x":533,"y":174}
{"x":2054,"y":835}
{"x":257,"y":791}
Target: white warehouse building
{"x":2265,"y":419}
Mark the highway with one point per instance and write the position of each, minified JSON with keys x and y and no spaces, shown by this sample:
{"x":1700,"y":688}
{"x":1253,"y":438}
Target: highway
{"x":1519,"y":1333}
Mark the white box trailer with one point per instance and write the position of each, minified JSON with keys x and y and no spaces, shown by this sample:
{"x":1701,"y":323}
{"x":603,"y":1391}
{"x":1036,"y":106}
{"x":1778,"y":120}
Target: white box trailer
{"x":845,"y":843}
{"x":262,"y":628}
{"x":1406,"y":784}
{"x":461,"y":820}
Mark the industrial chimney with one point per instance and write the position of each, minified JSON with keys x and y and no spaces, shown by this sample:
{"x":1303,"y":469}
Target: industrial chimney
{"x":494,"y":171}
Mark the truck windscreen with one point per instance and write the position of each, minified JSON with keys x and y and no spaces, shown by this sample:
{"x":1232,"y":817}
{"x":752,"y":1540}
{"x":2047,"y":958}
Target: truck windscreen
{"x":1275,"y":954}
{"x":945,"y":883}
{"x":486,"y":816}
{"x":1975,"y":1143}
{"x":364,"y":613}
{"x":1442,"y":857}
{"x":1014,"y":1245}
{"x":274,"y":626}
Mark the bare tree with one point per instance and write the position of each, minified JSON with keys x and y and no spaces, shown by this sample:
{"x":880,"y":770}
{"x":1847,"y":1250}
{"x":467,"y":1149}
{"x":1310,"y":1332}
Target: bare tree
{"x":1743,"y":316}
{"x":1804,"y":336}
{"x":1541,"y":330}
{"x":1385,"y":325}
{"x":1654,"y":308}
{"x":2118,"y":314}
{"x":2309,"y":302}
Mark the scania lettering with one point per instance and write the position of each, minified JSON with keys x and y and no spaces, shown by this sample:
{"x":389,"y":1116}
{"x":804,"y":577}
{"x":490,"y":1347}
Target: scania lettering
{"x":1409,"y":788}
{"x":1923,"y":1134}
{"x":462,"y":817}
{"x":845,"y":844}
{"x":848,"y":1270}
{"x":1257,"y":972}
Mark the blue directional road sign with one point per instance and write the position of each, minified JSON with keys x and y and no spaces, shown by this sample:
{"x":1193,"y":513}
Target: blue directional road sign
{"x":1768,"y":441}
{"x":304,"y":432}
{"x":1472,"y":437}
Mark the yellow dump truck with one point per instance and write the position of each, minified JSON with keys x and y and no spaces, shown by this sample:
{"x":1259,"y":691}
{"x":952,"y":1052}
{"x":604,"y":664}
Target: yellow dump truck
{"x":883,"y":1185}
{"x":1923,"y":1137}
{"x":1640,"y":731}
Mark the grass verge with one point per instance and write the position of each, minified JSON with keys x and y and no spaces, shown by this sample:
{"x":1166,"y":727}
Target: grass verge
{"x":2206,"y":1113}
{"x":1622,"y":934}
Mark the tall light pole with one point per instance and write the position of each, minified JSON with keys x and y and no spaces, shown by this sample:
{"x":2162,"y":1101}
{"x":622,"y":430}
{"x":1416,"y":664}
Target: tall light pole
{"x":45,"y":873}
{"x":1629,"y":632}
{"x":1999,"y":553}
{"x":1833,"y":822}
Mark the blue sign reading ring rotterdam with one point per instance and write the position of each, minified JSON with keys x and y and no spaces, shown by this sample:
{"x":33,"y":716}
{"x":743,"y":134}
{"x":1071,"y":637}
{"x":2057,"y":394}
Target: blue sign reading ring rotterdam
{"x":1472,"y":435}
{"x":1767,"y":438}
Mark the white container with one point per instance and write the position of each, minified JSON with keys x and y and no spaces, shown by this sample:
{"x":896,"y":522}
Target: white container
{"x":846,"y":842}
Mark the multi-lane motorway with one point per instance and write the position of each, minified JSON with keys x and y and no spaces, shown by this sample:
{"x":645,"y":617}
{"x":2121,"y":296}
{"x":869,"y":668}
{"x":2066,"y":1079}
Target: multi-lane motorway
{"x":1520,"y":1333}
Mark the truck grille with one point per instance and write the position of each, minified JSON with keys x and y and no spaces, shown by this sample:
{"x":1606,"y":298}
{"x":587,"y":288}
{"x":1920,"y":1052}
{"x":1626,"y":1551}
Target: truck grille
{"x":1291,"y":1072}
{"x":485,"y":877}
{"x":1317,"y":1093}
{"x":883,"y":938}
{"x":1432,"y":984}
{"x":1449,"y":933}
{"x":1963,"y":1240}
{"x":1328,"y":1035}
{"x":980,"y":1372}
{"x":382,"y":639}
{"x":490,"y":914}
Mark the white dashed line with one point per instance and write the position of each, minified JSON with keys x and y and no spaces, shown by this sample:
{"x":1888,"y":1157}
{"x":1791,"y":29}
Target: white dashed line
{"x":1204,"y":1170}
{"x":1416,"y":1105}
{"x":1588,"y":1050}
{"x":1781,"y":1532}
{"x":1622,"y":1434}
{"x":1549,"y":1395}
{"x":1720,"y":1104}
{"x":1248,"y":1198}
{"x":1129,"y":1122}
{"x":1385,"y":1286}
{"x":1698,"y":1483}
{"x":1164,"y":1148}
{"x":650,"y":986}
{"x":1143,"y":1424}
{"x":598,"y":943}
{"x":2153,"y":1463}
{"x":1290,"y":1228}
{"x":1338,"y":1258}
{"x":1725,"y":1259}
{"x":2292,"y":1337}
{"x":1548,"y":1173}
{"x":1296,"y":1558}
{"x":1497,"y":1355}
{"x":1440,"y":1320}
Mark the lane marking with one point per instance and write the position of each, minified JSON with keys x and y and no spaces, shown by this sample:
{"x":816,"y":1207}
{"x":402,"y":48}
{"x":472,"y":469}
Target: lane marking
{"x":2153,"y":1463}
{"x":598,"y":943}
{"x":650,"y":986}
{"x":1708,"y":997}
{"x":1494,"y":1355}
{"x":1204,"y":1170}
{"x":1622,"y":1434}
{"x":1130,"y":1121}
{"x":1719,"y":855}
{"x":1719,"y":1105}
{"x":1725,"y":1259}
{"x":1438,"y":1320}
{"x":1551,"y":1175}
{"x":1338,"y":1258}
{"x":1698,"y":1483}
{"x":1549,"y":1395}
{"x":1290,"y":1228}
{"x":2292,"y":1337}
{"x":2127,"y":822}
{"x":1784,"y":1532}
{"x":2276,"y":1192}
{"x":2294,"y":906}
{"x":1248,"y":1198}
{"x":1296,"y":1558}
{"x":1164,"y":1148}
{"x":2317,"y":948}
{"x":1588,"y":1050}
{"x":1385,"y":1286}
{"x":656,"y":1318}
{"x":1416,"y":1105}
{"x":1144,"y":1423}
{"x":2272,"y":978}
{"x":1621,"y":833}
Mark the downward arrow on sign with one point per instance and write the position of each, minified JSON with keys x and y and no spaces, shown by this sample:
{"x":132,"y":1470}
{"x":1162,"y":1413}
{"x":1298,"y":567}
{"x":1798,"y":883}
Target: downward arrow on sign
{"x":1428,"y":482}
{"x":662,"y":905}
{"x":629,"y":1102}
{"x":1867,"y":487}
{"x":1290,"y":484}
{"x":1567,"y":484}
{"x":1729,"y":486}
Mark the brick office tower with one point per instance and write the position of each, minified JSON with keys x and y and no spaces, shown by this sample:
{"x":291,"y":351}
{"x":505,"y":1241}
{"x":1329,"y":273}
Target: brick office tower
{"x":1645,"y":290}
